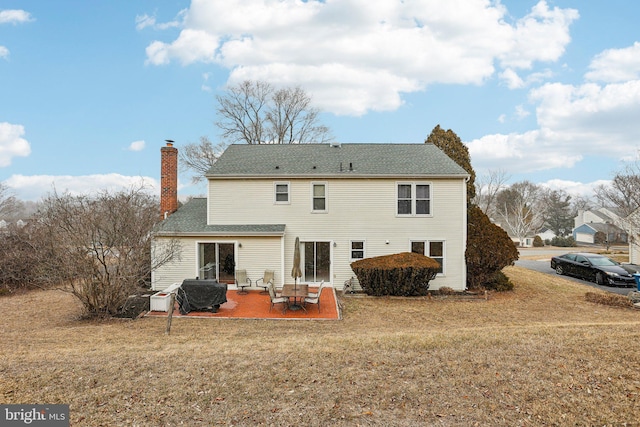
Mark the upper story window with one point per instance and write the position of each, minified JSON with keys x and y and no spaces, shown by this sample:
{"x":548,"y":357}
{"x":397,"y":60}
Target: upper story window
{"x":357,"y":249}
{"x":281,"y":193}
{"x":319,"y":196}
{"x":414,"y":199}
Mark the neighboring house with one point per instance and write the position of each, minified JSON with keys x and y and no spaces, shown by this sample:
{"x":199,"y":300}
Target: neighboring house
{"x":546,"y":234}
{"x":586,"y":233}
{"x":605,"y":220}
{"x":527,"y":242}
{"x":344,"y":202}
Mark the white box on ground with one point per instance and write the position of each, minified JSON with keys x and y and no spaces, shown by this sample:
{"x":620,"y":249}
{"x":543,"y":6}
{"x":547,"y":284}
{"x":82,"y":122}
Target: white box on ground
{"x":160,"y":301}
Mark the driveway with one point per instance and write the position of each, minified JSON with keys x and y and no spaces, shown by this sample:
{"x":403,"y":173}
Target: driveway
{"x":543,"y":265}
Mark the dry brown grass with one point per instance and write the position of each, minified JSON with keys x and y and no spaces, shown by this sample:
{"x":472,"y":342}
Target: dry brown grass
{"x":541,"y":355}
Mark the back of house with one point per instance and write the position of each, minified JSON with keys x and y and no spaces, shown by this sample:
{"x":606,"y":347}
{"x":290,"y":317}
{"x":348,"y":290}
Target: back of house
{"x":344,"y":202}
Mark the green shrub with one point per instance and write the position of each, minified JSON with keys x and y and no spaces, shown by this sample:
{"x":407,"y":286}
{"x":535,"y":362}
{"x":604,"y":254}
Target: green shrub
{"x":537,"y":242}
{"x":563,"y":242}
{"x":500,"y":283}
{"x":489,"y":249}
{"x":403,"y":274}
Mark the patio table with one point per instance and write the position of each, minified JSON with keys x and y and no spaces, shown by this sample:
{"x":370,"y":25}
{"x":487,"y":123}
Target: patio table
{"x":295,"y":292}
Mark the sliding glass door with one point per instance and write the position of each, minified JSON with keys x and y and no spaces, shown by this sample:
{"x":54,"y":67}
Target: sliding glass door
{"x":217,"y":261}
{"x":317,"y":261}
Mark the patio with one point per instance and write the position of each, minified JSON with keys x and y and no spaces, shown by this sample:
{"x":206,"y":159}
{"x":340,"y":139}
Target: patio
{"x":255,"y":305}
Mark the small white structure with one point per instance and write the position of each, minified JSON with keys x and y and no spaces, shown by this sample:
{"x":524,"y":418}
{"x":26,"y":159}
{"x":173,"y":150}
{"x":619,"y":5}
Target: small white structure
{"x":161,"y":301}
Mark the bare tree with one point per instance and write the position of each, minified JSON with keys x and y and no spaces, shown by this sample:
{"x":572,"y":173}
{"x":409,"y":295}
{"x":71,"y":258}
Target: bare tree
{"x":99,"y":248}
{"x":624,"y":191}
{"x":9,"y":204}
{"x":199,"y":157}
{"x":581,"y":203}
{"x":254,"y":112}
{"x":487,"y":188}
{"x":624,"y":194}
{"x":293,"y":120}
{"x":19,"y":257}
{"x":519,"y":208}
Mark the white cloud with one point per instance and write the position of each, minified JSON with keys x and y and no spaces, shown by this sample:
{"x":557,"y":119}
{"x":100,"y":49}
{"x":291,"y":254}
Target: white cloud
{"x":373,"y":52}
{"x":205,"y":87}
{"x":12,"y":143}
{"x":521,"y":112}
{"x":191,"y":46}
{"x":14,"y":16}
{"x":616,"y":65}
{"x":540,"y":36}
{"x":35,"y":186}
{"x":137,"y":146}
{"x":574,"y":121}
{"x":4,"y":52}
{"x":575,"y":188}
{"x":144,"y":21}
{"x":522,"y":153}
{"x":512,"y":79}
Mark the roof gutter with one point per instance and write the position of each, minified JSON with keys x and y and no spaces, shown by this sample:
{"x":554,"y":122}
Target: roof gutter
{"x":344,"y":175}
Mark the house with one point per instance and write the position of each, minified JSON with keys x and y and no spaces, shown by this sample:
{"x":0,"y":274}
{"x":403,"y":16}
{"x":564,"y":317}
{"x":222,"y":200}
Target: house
{"x":527,"y":242}
{"x":546,"y":234}
{"x":344,"y":202}
{"x":604,"y":220}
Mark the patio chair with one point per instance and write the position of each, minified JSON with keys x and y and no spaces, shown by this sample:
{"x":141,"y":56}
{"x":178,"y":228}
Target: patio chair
{"x":315,"y":294}
{"x":242,"y":281}
{"x":277,"y":299}
{"x":265,"y":280}
{"x":314,"y":299}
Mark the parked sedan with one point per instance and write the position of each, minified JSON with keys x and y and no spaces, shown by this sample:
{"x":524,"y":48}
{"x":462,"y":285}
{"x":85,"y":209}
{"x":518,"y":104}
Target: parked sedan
{"x":594,"y":268}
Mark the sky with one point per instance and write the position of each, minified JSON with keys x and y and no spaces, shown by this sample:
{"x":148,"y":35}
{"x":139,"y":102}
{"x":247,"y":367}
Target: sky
{"x":545,"y":91}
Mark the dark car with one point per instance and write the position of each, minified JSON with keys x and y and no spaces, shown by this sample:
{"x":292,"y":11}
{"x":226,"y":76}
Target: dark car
{"x":594,"y":268}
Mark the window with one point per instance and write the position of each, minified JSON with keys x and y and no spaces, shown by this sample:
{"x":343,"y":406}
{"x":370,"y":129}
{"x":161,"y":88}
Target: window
{"x":357,"y":249}
{"x":216,"y":261}
{"x":433,"y":249}
{"x":414,"y":199}
{"x":404,"y":199}
{"x":319,"y":197}
{"x":423,"y":200}
{"x":281,"y":193}
{"x":436,"y":251}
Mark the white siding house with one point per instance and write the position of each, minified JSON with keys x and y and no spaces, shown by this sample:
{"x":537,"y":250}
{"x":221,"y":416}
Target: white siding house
{"x":344,"y":202}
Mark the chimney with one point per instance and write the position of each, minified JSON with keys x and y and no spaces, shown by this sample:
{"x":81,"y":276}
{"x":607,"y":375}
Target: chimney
{"x":168,"y":179}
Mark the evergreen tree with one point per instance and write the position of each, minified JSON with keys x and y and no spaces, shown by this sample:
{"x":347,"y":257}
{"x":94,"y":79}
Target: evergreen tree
{"x":558,"y":215}
{"x":489,"y":248}
{"x":453,"y":147}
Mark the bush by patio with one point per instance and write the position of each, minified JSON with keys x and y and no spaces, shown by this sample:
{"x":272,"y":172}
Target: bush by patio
{"x":403,"y":274}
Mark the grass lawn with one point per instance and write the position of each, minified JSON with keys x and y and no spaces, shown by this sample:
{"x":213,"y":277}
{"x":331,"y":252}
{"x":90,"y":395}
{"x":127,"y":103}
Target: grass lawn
{"x":541,"y":355}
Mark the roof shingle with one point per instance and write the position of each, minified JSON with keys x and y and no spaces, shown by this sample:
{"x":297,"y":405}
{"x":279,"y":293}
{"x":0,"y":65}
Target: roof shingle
{"x":191,"y":218}
{"x":329,"y":160}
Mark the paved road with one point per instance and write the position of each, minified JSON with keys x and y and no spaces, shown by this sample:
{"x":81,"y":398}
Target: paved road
{"x":543,"y":266}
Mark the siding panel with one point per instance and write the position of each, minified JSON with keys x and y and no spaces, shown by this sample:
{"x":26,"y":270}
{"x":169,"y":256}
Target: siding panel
{"x":362,"y":209}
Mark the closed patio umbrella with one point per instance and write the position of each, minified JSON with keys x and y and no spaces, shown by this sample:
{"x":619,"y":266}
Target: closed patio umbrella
{"x":296,"y":272}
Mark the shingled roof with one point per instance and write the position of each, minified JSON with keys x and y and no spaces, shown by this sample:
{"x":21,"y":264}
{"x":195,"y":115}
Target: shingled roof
{"x":191,"y":218}
{"x":334,"y":160}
